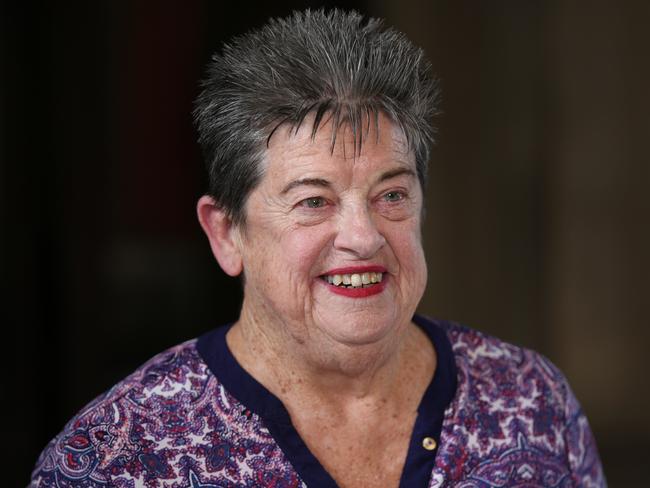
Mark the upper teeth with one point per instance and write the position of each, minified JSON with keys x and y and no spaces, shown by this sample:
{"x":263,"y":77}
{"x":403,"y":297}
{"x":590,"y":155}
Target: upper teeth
{"x":355,"y":280}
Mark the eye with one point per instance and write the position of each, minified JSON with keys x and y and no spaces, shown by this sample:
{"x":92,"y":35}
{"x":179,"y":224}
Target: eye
{"x":313,"y":202}
{"x":393,"y":196}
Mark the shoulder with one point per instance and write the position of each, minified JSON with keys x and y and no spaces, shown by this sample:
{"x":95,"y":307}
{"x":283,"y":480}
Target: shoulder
{"x":481,"y":357}
{"x":514,"y":407}
{"x":171,"y":422}
{"x":513,"y":389}
{"x":160,"y":397}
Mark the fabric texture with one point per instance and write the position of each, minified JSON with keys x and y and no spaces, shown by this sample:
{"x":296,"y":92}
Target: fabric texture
{"x":513,"y":421}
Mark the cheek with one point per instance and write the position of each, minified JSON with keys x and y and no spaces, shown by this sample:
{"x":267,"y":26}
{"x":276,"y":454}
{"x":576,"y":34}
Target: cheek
{"x":286,"y":261}
{"x":303,"y":250}
{"x":406,"y":243}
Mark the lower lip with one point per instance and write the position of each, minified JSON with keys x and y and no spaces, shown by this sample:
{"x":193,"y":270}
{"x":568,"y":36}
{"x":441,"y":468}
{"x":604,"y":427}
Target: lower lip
{"x":358,"y":292}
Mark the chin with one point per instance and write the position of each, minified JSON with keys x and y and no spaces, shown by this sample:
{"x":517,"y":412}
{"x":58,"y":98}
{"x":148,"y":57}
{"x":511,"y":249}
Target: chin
{"x":360,"y":330}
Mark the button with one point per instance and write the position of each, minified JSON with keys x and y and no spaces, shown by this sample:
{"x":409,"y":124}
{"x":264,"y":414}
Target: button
{"x":429,"y":443}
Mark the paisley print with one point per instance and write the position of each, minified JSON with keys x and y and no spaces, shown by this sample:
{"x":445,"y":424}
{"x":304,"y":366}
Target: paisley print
{"x":170,"y":424}
{"x":512,"y":423}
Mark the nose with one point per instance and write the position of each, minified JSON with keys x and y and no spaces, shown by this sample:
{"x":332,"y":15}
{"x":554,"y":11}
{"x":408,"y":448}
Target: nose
{"x":357,"y":233}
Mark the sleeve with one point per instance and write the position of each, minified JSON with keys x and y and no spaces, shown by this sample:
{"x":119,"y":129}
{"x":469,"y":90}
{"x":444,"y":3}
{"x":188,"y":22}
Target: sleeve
{"x":70,"y":459}
{"x":582,"y":453}
{"x":78,"y":456}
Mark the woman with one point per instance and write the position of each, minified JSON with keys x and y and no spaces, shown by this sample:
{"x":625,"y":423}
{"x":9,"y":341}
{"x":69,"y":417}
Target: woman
{"x":316,"y":131}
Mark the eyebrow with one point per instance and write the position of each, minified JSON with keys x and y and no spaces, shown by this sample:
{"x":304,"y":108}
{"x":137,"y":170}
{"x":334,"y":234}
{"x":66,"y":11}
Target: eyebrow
{"x":396,"y":172}
{"x":306,"y":182}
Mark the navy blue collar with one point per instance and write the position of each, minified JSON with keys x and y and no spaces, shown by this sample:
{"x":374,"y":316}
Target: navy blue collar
{"x":251,"y":394}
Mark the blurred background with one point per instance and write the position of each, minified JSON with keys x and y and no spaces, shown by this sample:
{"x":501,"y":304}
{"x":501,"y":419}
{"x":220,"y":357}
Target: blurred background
{"x":538,"y":208}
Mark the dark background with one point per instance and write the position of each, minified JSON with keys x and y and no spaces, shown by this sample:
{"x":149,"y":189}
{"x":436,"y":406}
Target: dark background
{"x":538,"y":203}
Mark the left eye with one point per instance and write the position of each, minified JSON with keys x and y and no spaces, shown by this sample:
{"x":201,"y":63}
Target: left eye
{"x":393,"y":196}
{"x":313,"y":202}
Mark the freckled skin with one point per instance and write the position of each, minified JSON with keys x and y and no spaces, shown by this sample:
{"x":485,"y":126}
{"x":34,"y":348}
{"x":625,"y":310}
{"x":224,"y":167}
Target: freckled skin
{"x":286,"y":247}
{"x":351,"y":371}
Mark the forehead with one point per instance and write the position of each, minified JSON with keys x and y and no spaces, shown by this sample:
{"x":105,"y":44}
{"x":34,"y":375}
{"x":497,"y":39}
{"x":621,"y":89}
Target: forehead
{"x":376,"y":144}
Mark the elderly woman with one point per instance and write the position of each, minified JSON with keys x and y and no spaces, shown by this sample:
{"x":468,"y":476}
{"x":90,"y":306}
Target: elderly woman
{"x":316,"y":131}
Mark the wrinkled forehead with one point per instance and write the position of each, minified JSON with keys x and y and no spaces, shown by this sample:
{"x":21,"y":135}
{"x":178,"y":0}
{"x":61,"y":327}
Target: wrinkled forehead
{"x":345,"y":138}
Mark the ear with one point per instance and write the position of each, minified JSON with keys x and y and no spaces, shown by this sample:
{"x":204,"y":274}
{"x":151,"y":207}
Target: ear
{"x":222,"y":235}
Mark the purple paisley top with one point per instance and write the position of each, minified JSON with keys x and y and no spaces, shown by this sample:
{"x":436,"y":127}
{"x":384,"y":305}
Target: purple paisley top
{"x":500,"y":416}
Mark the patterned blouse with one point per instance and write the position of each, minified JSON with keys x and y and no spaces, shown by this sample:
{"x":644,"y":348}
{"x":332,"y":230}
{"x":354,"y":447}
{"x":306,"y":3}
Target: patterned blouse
{"x":494,"y":415}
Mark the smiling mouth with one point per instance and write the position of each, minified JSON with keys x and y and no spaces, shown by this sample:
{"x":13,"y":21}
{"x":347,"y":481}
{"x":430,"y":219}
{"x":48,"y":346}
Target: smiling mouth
{"x":354,"y":280}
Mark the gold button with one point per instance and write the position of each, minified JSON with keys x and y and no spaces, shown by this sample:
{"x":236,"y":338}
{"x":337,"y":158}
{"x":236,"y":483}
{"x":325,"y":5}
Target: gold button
{"x":429,"y":443}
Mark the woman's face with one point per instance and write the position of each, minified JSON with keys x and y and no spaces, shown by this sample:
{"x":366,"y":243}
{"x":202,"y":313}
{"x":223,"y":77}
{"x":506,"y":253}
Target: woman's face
{"x":331,"y":247}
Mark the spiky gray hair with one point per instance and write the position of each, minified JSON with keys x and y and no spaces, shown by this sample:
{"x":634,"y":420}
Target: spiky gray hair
{"x":331,"y":65}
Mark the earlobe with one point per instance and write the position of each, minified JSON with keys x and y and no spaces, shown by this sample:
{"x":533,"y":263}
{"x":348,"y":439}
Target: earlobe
{"x":222,"y":235}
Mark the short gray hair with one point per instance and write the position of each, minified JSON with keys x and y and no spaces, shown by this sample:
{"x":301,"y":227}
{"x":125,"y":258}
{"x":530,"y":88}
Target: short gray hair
{"x":317,"y":63}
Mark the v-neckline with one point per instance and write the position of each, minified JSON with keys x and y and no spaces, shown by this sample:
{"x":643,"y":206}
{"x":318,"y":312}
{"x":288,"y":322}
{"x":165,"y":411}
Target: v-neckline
{"x":420,"y":458}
